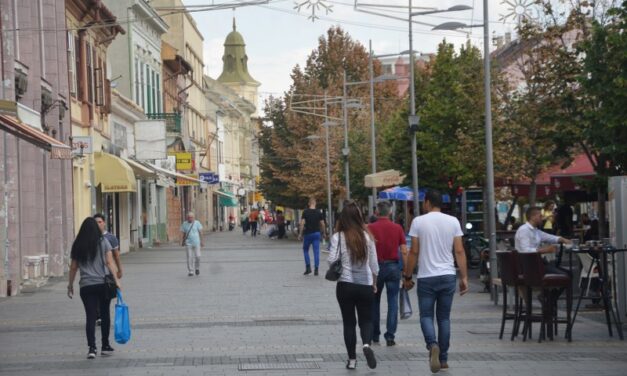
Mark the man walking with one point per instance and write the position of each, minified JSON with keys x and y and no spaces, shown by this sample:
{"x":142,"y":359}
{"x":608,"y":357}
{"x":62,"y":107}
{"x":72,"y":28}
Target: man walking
{"x":433,"y":235}
{"x":389,"y":237}
{"x":112,"y":239}
{"x":190,"y":230}
{"x":252,"y":222}
{"x":311,"y":227}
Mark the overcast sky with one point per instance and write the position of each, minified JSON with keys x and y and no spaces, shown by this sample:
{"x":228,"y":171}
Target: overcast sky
{"x":278,"y":37}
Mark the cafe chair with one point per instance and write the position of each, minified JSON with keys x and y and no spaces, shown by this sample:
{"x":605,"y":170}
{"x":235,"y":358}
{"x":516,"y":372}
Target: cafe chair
{"x":510,"y":277}
{"x":534,"y":277}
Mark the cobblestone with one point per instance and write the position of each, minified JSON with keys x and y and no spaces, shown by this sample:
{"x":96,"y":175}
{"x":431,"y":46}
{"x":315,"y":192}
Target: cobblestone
{"x":251,"y":306}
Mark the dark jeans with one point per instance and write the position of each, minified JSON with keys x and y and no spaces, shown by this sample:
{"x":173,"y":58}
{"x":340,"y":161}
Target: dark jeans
{"x":351,"y":297}
{"x":281,"y":231}
{"x":314,"y":240}
{"x":253,"y":228}
{"x":390,"y":277}
{"x":435,"y":295}
{"x":94,"y":300}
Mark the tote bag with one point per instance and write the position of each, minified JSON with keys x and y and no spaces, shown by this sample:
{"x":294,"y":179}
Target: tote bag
{"x":404,"y":304}
{"x":122,"y":325}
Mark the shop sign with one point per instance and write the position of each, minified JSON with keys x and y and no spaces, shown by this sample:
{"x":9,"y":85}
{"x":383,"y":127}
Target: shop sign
{"x":210,"y":177}
{"x":82,"y":145}
{"x":183,"y":161}
{"x":182,"y":182}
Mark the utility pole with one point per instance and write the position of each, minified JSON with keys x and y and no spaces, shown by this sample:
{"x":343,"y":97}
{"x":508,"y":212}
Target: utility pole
{"x":413,"y":119}
{"x":346,"y":150}
{"x":373,"y":138}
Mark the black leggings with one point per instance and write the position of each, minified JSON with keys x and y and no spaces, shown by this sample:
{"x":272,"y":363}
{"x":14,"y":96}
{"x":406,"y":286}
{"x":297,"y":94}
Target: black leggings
{"x":94,"y":298}
{"x":353,"y":296}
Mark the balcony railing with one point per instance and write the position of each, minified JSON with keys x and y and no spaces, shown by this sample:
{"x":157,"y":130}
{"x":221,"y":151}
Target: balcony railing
{"x":172,"y":120}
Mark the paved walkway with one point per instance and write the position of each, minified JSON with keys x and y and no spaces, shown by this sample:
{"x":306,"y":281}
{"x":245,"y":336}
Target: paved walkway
{"x":251,"y":311}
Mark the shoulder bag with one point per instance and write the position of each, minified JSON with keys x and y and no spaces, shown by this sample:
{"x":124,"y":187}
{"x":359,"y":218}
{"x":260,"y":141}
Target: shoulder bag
{"x":335,"y":269}
{"x":187,"y":233}
{"x":111,"y":287}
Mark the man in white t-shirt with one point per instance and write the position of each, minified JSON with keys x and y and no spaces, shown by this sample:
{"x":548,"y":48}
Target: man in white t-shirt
{"x":433,"y":237}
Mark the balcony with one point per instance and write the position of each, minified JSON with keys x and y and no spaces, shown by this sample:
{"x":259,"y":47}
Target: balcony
{"x":172,"y":120}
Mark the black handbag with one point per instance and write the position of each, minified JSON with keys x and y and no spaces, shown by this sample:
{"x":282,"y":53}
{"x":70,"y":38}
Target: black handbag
{"x":111,"y":288}
{"x":335,"y":269}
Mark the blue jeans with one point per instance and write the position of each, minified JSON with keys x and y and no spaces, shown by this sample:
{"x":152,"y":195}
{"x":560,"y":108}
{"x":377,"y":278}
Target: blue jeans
{"x":390,"y":277}
{"x":436,"y":294}
{"x":312,"y":239}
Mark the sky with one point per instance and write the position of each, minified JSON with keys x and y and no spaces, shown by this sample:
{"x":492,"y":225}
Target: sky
{"x":278,"y":37}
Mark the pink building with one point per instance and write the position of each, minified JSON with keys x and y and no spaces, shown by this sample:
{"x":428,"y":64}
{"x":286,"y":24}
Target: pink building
{"x":36,"y":216}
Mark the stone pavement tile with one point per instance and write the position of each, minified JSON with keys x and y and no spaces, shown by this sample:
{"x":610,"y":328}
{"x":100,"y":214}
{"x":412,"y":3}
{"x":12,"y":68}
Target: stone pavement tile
{"x":251,"y":303}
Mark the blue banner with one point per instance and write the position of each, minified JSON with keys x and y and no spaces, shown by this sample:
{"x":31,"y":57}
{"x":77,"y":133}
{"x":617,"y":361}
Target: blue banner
{"x":210,"y":177}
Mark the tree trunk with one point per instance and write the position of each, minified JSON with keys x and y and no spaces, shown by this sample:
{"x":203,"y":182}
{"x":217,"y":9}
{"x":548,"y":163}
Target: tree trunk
{"x":601,"y":200}
{"x":532,"y":192}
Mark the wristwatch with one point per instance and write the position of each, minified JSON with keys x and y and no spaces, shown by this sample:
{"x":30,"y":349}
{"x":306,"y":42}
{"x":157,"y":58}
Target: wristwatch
{"x":407,"y":278}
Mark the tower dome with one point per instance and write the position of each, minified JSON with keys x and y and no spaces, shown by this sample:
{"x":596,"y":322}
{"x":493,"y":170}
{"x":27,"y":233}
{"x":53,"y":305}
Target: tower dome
{"x":235,"y":60}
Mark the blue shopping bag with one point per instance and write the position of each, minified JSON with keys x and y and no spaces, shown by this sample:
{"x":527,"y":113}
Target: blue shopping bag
{"x":122,"y":324}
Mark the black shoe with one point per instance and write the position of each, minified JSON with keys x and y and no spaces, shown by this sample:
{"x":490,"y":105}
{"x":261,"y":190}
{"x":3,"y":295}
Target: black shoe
{"x":316,"y":271}
{"x":91,"y":354}
{"x":370,"y":359}
{"x":375,"y":342}
{"x":307,"y":270}
{"x":106,"y":350}
{"x":390,"y":342}
{"x":197,"y":271}
{"x":190,"y":274}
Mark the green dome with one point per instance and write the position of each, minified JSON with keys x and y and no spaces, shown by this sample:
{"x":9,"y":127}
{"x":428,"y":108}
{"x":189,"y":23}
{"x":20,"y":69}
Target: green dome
{"x":234,"y":39}
{"x":235,"y":60}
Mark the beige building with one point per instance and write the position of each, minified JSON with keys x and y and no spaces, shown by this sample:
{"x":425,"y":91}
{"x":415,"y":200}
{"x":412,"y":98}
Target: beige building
{"x":183,"y":35}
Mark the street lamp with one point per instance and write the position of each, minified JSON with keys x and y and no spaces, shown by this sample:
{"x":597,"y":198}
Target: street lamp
{"x":413,"y":120}
{"x":326,"y":126}
{"x":488,"y":127}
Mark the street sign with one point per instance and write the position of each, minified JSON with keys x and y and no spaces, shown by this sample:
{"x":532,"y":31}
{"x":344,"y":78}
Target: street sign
{"x":210,"y":177}
{"x":183,"y":161}
{"x":82,"y":145}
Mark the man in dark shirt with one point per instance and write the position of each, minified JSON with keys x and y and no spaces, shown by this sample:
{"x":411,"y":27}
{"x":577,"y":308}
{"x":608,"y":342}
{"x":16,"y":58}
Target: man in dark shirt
{"x":113,"y":241}
{"x":311,"y":226}
{"x":389,"y":237}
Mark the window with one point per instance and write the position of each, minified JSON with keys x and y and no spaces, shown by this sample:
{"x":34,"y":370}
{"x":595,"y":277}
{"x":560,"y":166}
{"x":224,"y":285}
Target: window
{"x":71,"y":58}
{"x":137,"y":83}
{"x":78,"y":67}
{"x":42,"y":50}
{"x":90,"y":73}
{"x":141,"y":85}
{"x":159,"y":96}
{"x":99,"y":82}
{"x":148,"y":108}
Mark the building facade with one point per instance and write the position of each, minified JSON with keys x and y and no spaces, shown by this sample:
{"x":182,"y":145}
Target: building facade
{"x":36,"y":217}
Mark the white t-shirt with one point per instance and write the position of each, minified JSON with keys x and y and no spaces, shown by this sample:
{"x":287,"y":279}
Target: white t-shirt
{"x":436,"y":232}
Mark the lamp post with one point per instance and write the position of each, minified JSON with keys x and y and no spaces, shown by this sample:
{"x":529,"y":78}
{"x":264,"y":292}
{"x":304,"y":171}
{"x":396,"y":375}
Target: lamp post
{"x":413,"y":120}
{"x":345,"y":150}
{"x":488,"y":128}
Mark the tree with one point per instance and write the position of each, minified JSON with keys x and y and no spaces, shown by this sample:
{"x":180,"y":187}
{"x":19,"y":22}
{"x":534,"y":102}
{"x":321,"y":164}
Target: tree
{"x":289,"y":144}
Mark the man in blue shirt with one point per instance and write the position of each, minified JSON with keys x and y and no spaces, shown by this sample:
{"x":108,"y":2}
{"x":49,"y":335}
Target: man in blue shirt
{"x":190,"y":231}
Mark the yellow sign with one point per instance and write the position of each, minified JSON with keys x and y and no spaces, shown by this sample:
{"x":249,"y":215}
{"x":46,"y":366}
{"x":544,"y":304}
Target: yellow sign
{"x":183,"y":161}
{"x":186,"y":182}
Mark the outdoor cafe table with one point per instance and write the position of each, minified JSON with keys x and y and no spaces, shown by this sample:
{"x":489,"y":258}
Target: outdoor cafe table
{"x":599,"y":254}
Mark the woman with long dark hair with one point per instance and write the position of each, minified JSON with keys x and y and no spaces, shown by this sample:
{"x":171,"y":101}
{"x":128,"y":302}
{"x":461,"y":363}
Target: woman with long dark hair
{"x":91,"y":254}
{"x":356,"y":287}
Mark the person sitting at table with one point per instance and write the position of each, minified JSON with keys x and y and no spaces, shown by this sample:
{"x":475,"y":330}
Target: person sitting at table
{"x":529,"y":238}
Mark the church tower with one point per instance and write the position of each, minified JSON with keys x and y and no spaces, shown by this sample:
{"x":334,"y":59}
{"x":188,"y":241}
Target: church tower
{"x":235,"y":68}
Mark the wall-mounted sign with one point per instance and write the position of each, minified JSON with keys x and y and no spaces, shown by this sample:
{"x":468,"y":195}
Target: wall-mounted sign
{"x":184,"y":182}
{"x":210,"y":177}
{"x":82,"y":145}
{"x":183,"y":161}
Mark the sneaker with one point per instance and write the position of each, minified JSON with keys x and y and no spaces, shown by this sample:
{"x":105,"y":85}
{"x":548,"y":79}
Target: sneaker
{"x":197,"y":271}
{"x":91,"y":354}
{"x":370,"y":359}
{"x":351,"y":364}
{"x":190,"y":274}
{"x":316,"y":271}
{"x":434,"y":358}
{"x":307,"y":270}
{"x":390,"y":342}
{"x":106,"y":350}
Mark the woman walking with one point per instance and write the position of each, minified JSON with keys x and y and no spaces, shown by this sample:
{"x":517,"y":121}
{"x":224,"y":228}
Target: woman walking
{"x":91,"y":254}
{"x":356,"y":287}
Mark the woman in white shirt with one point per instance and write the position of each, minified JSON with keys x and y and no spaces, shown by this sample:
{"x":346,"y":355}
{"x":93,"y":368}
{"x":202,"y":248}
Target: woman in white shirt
{"x":356,"y":287}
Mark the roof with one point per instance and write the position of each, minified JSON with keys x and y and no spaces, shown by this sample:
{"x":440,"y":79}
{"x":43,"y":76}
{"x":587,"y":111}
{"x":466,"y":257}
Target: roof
{"x":235,"y":60}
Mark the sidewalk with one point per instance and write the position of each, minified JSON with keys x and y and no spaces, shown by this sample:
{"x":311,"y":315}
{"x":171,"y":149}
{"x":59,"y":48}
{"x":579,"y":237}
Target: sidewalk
{"x":251,"y":311}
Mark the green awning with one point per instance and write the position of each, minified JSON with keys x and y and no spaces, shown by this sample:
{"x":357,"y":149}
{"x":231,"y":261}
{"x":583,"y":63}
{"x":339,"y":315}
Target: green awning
{"x":226,"y":199}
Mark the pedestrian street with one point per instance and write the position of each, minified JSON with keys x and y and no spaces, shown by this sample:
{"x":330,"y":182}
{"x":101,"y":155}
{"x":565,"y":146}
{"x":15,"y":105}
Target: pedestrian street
{"x":252,"y":312}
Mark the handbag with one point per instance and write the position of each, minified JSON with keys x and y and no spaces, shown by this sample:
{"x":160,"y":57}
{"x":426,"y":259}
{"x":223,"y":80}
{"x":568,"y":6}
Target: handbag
{"x":335,"y":269}
{"x":187,"y":234}
{"x":404,"y":304}
{"x":122,"y":322}
{"x":110,"y":286}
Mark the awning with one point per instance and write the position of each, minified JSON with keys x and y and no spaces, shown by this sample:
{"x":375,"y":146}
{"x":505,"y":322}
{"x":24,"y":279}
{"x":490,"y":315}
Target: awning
{"x":228,"y":195}
{"x":227,"y":199}
{"x":57,"y":149}
{"x":407,"y":194}
{"x":113,"y":174}
{"x":140,"y":170}
{"x":174,"y":174}
{"x":571,"y":177}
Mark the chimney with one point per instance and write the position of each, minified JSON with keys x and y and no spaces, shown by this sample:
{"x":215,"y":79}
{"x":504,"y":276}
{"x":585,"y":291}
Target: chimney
{"x":508,"y":37}
{"x":498,"y":42}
